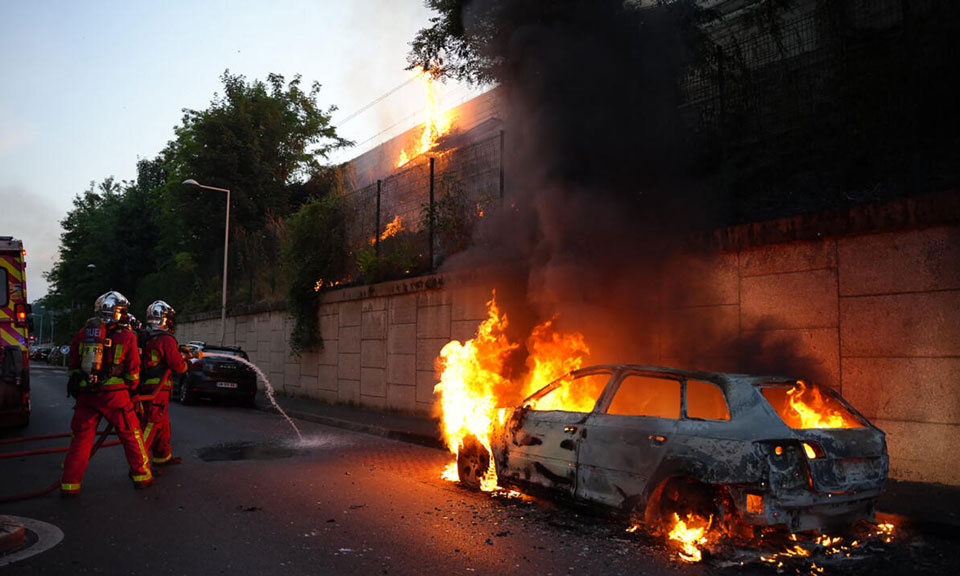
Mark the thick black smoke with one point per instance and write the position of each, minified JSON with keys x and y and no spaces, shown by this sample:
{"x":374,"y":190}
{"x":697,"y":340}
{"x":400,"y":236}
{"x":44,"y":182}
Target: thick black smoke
{"x":599,"y":190}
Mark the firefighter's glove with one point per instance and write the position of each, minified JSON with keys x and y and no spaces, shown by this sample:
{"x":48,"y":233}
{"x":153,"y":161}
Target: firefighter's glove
{"x":73,"y":385}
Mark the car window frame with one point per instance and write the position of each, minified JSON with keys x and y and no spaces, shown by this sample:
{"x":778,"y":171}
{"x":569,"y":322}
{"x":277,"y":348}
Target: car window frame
{"x":683,"y":400}
{"x":613,"y":374}
{"x":614,"y":387}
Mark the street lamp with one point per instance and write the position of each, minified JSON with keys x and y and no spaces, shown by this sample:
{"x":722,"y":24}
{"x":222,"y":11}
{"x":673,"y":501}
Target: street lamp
{"x":226,"y":246}
{"x":40,"y":336}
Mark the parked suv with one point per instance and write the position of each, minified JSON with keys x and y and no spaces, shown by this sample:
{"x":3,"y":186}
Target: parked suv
{"x":217,"y":374}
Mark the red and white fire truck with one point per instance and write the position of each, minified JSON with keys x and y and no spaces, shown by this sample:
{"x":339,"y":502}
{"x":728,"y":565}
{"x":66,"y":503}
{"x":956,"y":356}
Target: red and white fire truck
{"x":14,"y":335}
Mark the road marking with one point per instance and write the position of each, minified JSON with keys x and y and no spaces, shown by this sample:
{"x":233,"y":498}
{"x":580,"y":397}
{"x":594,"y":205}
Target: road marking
{"x":48,"y":536}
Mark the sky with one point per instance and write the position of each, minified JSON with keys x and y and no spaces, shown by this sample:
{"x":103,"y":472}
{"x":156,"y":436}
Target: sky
{"x":88,"y":88}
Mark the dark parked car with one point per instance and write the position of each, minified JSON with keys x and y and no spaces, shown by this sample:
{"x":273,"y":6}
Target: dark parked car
{"x":218,"y":374}
{"x":652,"y":441}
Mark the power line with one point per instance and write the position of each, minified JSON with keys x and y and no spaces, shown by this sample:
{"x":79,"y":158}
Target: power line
{"x":376,"y":101}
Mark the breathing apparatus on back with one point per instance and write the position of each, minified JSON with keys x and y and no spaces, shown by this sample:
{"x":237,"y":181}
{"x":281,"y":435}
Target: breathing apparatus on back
{"x":110,"y":313}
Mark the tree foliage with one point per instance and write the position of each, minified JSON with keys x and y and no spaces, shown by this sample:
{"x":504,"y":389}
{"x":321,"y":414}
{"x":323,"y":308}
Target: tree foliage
{"x":482,"y":41}
{"x":265,"y":141}
{"x":314,"y":256}
{"x":108,"y":243}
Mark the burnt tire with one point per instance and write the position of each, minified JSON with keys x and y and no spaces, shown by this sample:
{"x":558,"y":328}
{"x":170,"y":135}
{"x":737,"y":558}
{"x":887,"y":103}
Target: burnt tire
{"x":473,"y":460}
{"x":680,"y":496}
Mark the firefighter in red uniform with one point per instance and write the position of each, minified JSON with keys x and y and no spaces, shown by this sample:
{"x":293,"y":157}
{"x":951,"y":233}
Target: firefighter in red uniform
{"x":160,"y":358}
{"x":104,"y":367}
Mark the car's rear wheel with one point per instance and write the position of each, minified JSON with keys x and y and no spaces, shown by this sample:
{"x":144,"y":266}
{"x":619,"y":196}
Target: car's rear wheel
{"x":186,"y":397}
{"x":473,"y":460}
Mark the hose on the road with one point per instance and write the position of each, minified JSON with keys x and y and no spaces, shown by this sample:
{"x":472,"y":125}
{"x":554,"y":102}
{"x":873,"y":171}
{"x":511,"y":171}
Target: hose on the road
{"x":99,"y":444}
{"x":43,"y":491}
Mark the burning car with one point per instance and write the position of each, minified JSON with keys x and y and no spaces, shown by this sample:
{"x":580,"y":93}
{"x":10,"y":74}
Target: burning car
{"x":736,"y":450}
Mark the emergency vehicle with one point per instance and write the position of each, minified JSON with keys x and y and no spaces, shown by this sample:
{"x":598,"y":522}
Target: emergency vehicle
{"x":15,"y":324}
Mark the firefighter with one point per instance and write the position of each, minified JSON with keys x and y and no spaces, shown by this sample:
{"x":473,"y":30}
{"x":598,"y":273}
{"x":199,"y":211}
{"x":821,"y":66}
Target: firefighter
{"x":160,"y":359}
{"x":104,"y":367}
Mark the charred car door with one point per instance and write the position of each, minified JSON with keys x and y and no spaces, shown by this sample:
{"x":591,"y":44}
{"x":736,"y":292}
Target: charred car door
{"x":626,"y":440}
{"x":547,"y":431}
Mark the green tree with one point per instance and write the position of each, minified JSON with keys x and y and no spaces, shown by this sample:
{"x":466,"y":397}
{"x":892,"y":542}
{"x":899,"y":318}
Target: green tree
{"x":314,"y":256}
{"x":260,"y":140}
{"x":108,"y":243}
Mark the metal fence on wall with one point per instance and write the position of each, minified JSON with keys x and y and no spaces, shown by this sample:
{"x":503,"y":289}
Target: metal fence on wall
{"x":407,"y":218}
{"x":832,"y":101}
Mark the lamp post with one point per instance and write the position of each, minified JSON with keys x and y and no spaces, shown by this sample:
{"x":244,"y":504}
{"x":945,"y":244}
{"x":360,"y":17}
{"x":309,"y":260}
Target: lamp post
{"x":39,"y":336}
{"x":226,"y":246}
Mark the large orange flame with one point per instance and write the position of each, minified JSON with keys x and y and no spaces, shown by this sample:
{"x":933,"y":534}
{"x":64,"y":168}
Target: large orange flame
{"x":436,"y":124}
{"x":812,"y":411}
{"x":471,"y":376}
{"x":472,"y":386}
{"x":393,"y":227}
{"x":691,"y":534}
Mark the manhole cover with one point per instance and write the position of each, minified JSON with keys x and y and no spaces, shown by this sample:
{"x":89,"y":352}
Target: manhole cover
{"x":243,"y":451}
{"x":38,"y":537}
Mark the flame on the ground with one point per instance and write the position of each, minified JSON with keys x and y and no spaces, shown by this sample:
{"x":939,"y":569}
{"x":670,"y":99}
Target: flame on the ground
{"x":813,"y":411}
{"x":472,"y":382}
{"x":691,"y":534}
{"x":436,"y":124}
{"x":825,"y":547}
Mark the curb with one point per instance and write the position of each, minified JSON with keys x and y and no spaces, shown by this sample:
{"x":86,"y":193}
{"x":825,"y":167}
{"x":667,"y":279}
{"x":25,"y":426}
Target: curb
{"x":12,"y":534}
{"x":403,"y":436}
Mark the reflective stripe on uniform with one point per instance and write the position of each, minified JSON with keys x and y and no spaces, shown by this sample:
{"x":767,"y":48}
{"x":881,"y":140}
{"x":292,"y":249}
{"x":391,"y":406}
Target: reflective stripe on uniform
{"x":143,"y":453}
{"x":142,"y":477}
{"x":146,"y":431}
{"x":118,"y":353}
{"x":163,"y":459}
{"x":70,"y":487}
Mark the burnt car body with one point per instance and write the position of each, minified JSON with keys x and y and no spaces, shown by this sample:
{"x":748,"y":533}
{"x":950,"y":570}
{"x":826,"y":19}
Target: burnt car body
{"x":651,"y":440}
{"x":214,"y":373}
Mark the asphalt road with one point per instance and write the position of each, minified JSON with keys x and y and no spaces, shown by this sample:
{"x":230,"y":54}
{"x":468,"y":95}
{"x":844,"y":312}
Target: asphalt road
{"x":250,"y":499}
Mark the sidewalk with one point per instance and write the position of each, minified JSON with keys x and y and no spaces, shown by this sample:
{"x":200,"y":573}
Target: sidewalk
{"x":935,"y":506}
{"x":413,"y":429}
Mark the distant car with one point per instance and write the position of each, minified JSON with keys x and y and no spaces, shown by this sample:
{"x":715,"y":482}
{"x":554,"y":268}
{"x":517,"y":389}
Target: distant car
{"x":57,"y":356}
{"x":217,"y":376}
{"x":40,"y":353}
{"x":651,"y":441}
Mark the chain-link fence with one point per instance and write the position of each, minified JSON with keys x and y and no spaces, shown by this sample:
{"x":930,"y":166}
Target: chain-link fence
{"x":410,"y":221}
{"x":826,"y":103}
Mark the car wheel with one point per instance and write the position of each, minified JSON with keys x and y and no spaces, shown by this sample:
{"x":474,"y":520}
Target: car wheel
{"x":473,"y":460}
{"x":186,"y":397}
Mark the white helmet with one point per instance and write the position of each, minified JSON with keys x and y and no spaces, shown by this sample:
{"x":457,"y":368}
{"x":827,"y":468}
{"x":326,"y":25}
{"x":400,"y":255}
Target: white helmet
{"x":112,"y":307}
{"x":160,"y":316}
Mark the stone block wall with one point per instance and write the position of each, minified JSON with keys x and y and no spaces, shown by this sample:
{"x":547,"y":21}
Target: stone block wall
{"x":380,"y":343}
{"x":877,"y":316}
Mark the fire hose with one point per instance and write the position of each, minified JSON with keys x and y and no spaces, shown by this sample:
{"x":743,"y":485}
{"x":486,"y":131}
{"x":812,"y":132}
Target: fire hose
{"x":100,"y":443}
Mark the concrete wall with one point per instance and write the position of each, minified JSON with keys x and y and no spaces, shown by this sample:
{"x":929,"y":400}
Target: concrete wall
{"x":380,"y":343}
{"x":876,"y":316}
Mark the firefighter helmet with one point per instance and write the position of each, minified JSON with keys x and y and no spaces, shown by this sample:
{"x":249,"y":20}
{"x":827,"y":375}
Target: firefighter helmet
{"x":133,"y":323}
{"x":112,"y":307}
{"x":160,"y":316}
